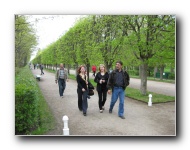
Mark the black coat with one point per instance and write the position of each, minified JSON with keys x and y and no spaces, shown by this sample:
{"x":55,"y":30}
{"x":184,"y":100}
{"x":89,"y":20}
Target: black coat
{"x":81,"y":83}
{"x":97,"y":79}
{"x":112,"y":79}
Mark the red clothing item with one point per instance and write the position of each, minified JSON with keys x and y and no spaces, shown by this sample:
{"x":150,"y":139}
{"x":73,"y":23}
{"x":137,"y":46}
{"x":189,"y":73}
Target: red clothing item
{"x":93,"y":68}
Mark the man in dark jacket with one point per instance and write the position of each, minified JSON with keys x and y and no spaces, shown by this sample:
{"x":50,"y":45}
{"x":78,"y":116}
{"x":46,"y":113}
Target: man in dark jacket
{"x":118,"y":81}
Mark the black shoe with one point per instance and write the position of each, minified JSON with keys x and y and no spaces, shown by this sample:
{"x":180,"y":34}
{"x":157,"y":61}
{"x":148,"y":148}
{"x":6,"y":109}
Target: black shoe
{"x":122,"y":117}
{"x":110,"y":111}
{"x":84,"y":114}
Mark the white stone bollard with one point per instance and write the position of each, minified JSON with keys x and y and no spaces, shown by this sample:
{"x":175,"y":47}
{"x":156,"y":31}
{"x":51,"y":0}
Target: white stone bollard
{"x":150,"y":100}
{"x":65,"y":128}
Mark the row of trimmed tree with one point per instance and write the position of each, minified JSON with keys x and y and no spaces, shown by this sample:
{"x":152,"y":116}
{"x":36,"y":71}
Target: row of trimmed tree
{"x":25,"y":41}
{"x":137,"y":40}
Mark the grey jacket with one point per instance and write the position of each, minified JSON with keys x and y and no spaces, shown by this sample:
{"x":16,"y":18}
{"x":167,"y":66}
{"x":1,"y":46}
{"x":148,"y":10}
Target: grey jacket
{"x":65,"y":75}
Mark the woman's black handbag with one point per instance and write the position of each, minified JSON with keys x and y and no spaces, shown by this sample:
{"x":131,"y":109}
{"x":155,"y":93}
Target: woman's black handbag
{"x":90,"y":86}
{"x":90,"y":92}
{"x":90,"y":89}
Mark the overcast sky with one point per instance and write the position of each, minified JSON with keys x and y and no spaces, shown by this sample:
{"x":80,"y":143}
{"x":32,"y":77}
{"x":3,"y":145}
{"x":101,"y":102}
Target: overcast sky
{"x":50,"y":27}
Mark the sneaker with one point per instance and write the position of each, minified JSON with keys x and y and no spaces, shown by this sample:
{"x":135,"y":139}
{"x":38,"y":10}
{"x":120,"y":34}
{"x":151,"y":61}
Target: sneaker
{"x":110,"y":111}
{"x":122,"y":117}
{"x":103,"y":107}
{"x":84,"y":114}
{"x":101,"y":111}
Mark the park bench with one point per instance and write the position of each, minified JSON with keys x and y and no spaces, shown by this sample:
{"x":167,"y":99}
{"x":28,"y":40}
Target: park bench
{"x":38,"y":77}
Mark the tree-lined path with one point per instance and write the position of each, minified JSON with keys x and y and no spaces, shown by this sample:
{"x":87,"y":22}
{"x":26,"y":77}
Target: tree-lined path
{"x":141,"y":120}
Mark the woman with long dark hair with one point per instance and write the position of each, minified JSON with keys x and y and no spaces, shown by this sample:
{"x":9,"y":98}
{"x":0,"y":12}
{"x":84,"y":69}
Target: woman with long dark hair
{"x":82,"y":89}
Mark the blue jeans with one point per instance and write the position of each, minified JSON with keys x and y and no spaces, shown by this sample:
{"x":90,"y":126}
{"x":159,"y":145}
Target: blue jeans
{"x":84,"y":101}
{"x":118,"y":92}
{"x":62,"y":85}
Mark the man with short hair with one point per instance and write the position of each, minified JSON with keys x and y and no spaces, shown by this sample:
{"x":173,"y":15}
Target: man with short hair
{"x":61,"y":77}
{"x":118,"y":81}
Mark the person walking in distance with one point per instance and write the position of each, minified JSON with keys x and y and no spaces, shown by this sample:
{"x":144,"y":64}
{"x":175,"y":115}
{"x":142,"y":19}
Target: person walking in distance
{"x":42,"y":68}
{"x":101,"y":79}
{"x":118,"y":81}
{"x":94,"y":70}
{"x":82,"y":89}
{"x":61,"y":77}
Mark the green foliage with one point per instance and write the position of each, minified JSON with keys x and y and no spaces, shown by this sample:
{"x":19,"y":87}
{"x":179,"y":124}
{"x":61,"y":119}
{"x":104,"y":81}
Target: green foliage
{"x":26,"y":114}
{"x":171,"y":76}
{"x":137,"y":40}
{"x":133,"y":72}
{"x":31,"y":111}
{"x":107,"y":38}
{"x":25,"y":41}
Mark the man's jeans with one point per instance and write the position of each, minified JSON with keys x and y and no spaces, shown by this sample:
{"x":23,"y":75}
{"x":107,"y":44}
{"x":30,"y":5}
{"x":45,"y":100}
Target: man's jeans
{"x":118,"y":92}
{"x":62,"y":86}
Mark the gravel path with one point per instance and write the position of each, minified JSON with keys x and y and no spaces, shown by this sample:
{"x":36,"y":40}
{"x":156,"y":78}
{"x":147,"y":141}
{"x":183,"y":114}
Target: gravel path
{"x":141,"y":120}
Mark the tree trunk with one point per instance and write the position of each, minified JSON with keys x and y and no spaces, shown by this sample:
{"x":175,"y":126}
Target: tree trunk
{"x":76,"y":69}
{"x":155,"y":71}
{"x":139,"y":71}
{"x":68,"y":69}
{"x":161,"y":72}
{"x":88,"y":69}
{"x":143,"y":74}
{"x":171,"y":69}
{"x":107,"y":65}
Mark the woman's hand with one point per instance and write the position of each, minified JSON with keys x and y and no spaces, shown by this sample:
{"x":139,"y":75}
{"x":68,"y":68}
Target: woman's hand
{"x":109,"y":91}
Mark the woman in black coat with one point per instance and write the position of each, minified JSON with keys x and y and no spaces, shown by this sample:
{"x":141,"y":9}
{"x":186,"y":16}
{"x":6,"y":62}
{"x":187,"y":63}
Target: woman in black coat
{"x":82,"y":89}
{"x":101,"y":79}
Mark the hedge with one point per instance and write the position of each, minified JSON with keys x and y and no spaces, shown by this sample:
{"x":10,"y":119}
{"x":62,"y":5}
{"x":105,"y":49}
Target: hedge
{"x":32,"y":114}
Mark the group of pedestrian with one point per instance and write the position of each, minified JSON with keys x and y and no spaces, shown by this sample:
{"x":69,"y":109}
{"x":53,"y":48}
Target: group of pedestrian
{"x":35,"y":66}
{"x":114,"y":82}
{"x":41,"y":66}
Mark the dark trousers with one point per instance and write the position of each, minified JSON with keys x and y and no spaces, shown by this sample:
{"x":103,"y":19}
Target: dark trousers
{"x":102,"y":94}
{"x":82,"y":100}
{"x":94,"y":73}
{"x":62,"y":85}
{"x":42,"y":71}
